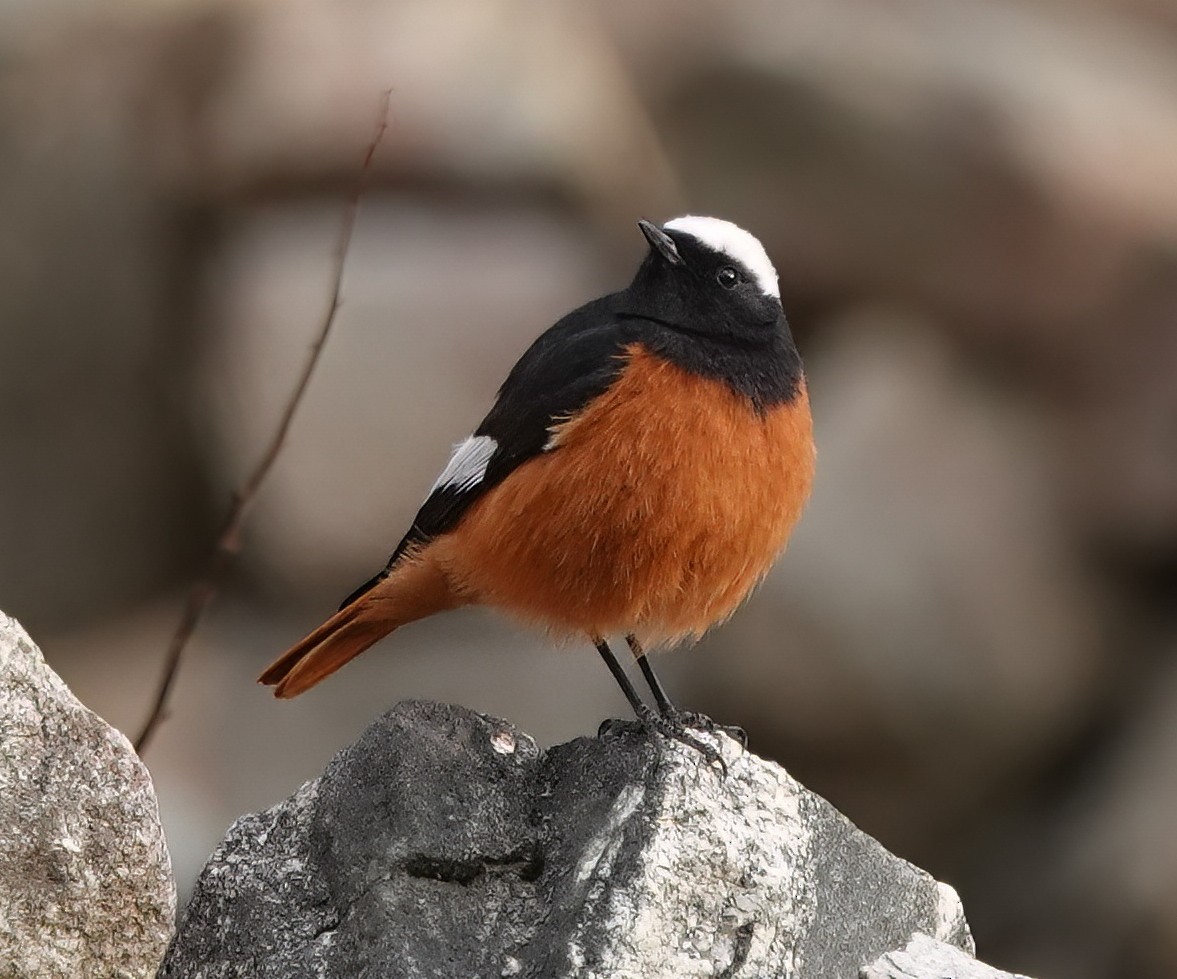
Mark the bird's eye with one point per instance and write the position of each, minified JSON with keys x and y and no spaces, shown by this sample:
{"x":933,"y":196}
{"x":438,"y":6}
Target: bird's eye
{"x":727,"y":277}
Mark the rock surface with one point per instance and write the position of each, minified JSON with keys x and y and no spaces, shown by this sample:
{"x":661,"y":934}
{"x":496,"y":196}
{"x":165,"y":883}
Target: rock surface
{"x":85,"y":882}
{"x":926,"y":958}
{"x":445,"y":843}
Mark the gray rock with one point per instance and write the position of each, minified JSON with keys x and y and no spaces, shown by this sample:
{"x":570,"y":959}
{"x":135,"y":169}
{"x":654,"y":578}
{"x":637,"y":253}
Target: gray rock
{"x":445,"y":843}
{"x":926,"y":958}
{"x":85,"y":882}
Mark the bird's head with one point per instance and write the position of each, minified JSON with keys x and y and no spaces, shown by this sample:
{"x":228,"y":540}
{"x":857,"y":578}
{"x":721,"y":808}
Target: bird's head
{"x":708,"y":276}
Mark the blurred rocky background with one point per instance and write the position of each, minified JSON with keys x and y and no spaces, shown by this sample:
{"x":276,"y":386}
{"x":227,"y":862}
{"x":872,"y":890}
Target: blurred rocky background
{"x":971,"y":646}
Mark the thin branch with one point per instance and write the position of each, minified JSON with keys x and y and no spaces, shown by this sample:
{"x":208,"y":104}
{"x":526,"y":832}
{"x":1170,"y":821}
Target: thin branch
{"x":229,"y":542}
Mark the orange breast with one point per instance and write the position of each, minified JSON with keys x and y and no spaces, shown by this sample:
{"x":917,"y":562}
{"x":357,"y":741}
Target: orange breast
{"x":664,"y":503}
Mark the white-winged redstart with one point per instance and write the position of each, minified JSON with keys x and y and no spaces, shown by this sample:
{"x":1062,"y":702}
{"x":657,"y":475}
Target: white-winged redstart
{"x":641,"y":469}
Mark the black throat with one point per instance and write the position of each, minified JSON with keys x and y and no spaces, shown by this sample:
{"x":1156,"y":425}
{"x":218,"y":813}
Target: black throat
{"x":766,"y":370}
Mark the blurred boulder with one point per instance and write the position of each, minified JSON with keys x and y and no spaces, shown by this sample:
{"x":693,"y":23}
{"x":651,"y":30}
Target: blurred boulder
{"x":1118,"y":421}
{"x":490,"y":95}
{"x":1117,"y":849}
{"x":997,"y":163}
{"x":444,"y":842}
{"x":85,"y":882}
{"x":96,"y":330}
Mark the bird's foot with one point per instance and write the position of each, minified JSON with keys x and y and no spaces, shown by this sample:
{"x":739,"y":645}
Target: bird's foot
{"x":702,"y":722}
{"x":677,"y":727}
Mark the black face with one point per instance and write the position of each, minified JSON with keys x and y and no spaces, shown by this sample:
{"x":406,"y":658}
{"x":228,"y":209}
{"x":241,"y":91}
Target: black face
{"x":706,"y":312}
{"x":722,"y":283}
{"x":693,"y":288}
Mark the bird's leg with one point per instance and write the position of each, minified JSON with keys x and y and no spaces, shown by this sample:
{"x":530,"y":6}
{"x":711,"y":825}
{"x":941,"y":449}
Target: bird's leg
{"x":620,"y":676}
{"x":672,"y":713}
{"x":668,"y":725}
{"x":664,"y":705}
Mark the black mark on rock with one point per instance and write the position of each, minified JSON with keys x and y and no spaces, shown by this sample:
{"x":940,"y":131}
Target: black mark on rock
{"x":526,"y":862}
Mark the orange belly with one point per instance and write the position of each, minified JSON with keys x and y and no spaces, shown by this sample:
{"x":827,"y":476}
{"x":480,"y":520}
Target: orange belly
{"x":666,"y":501}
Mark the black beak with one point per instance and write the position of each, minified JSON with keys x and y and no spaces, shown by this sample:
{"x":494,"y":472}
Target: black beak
{"x":661,"y":242}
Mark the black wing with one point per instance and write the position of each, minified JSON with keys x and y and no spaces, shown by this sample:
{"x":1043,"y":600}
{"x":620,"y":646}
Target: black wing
{"x":562,"y":371}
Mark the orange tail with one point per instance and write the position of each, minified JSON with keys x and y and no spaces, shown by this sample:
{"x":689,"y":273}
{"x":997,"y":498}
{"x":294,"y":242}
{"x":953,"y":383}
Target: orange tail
{"x":416,"y":589}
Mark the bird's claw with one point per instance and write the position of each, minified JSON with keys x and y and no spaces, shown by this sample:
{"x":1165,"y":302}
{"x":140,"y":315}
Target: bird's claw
{"x":676,"y":728}
{"x":704,"y":723}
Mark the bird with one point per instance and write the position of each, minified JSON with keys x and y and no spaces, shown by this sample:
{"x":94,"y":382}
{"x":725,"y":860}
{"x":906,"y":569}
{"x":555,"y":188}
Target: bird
{"x":639,"y":472}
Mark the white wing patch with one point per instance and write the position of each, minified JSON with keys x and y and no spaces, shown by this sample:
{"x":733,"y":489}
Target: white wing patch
{"x":733,"y":241}
{"x":467,"y":466}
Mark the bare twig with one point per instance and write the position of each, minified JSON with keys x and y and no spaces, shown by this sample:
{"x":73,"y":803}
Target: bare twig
{"x":229,"y":542}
